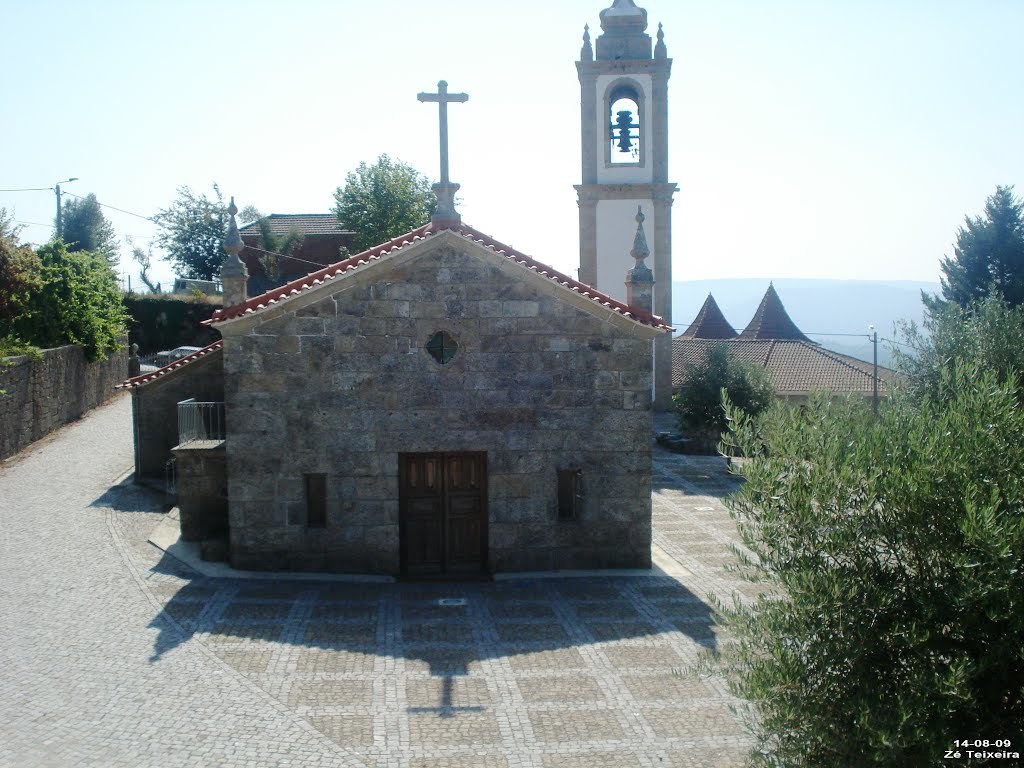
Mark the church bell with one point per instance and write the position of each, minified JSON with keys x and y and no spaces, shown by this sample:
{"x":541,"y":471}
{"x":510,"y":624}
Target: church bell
{"x":625,"y":127}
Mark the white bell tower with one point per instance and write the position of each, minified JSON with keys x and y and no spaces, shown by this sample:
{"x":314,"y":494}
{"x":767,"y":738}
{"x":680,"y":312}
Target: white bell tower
{"x":624,"y":139}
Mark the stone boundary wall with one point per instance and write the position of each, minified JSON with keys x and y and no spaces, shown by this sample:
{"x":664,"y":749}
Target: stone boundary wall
{"x":42,"y":395}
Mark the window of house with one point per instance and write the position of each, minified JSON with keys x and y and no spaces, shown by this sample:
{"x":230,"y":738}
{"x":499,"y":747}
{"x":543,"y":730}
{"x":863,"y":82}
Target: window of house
{"x":316,"y":500}
{"x":570,"y":493}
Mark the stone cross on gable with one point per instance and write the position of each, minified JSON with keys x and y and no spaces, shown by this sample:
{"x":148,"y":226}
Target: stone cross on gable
{"x":444,"y":190}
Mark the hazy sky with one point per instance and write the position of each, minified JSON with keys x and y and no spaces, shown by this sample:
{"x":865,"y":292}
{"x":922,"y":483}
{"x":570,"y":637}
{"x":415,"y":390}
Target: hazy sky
{"x":808,"y":138}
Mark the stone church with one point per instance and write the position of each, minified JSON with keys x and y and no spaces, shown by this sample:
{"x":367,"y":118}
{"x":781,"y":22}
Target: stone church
{"x":442,"y":404}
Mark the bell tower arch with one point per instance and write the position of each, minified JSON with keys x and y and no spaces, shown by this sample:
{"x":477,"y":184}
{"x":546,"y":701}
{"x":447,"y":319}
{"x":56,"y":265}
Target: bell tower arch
{"x":624,"y":138}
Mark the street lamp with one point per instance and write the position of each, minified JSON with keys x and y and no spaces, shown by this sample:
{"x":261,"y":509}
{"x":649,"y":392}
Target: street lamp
{"x":60,"y":222}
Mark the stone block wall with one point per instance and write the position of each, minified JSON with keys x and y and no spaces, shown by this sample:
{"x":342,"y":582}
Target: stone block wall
{"x":202,"y":489}
{"x":343,"y":385}
{"x":155,"y":409}
{"x":42,"y":395}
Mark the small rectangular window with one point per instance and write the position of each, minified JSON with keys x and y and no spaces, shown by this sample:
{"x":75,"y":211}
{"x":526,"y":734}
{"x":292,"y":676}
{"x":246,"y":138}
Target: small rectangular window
{"x":316,"y":501}
{"x":570,"y":492}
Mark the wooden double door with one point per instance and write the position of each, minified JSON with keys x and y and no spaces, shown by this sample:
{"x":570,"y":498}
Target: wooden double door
{"x":443,"y":513}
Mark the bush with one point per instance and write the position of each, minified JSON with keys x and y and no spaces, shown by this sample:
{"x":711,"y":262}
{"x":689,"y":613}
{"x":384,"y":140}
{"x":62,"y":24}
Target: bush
{"x":699,"y":402}
{"x":76,"y":300}
{"x":161,"y":321}
{"x":897,"y":547}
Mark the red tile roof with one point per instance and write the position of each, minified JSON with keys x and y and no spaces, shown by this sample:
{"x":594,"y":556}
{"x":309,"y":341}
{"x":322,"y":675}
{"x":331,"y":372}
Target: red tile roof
{"x":145,"y":378}
{"x":340,"y":268}
{"x":795,"y":367}
{"x":303,"y":223}
{"x":771,"y":321}
{"x":710,"y":323}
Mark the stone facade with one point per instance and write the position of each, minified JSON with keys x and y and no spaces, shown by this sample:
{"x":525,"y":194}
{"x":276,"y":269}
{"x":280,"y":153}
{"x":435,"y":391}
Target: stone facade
{"x":155,"y":410}
{"x":42,"y":395}
{"x":337,"y":380}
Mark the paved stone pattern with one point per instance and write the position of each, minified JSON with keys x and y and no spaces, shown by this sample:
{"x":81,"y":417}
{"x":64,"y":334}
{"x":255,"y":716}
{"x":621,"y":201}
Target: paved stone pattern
{"x":116,"y":654}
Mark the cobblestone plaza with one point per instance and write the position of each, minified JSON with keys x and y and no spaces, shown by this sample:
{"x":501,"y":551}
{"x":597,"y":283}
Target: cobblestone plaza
{"x":114,"y":653}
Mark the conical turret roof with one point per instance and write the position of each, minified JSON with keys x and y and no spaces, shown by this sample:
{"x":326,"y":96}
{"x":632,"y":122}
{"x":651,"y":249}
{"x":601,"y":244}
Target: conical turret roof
{"x":710,"y":323}
{"x":771,"y":321}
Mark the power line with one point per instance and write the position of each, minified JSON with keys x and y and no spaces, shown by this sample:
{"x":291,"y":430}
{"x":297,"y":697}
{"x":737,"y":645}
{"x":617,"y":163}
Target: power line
{"x":904,"y":344}
{"x":150,"y":219}
{"x":30,"y":189}
{"x":114,"y":208}
{"x":285,"y":256}
{"x":32,"y":223}
{"x":858,"y":335}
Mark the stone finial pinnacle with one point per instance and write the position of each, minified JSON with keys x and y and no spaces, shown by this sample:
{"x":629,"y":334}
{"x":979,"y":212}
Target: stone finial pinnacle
{"x":640,"y":250}
{"x":660,"y":51}
{"x":587,"y":51}
{"x":233,"y":244}
{"x":640,"y":279}
{"x":233,"y":273}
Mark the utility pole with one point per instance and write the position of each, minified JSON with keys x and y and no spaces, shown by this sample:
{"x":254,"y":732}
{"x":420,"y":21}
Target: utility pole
{"x":60,"y":217}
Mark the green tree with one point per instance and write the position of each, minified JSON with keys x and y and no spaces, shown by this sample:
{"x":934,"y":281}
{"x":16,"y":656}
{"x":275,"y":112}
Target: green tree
{"x":192,"y":231}
{"x":988,"y":256}
{"x":699,"y":402}
{"x":382,"y":201}
{"x":989,"y":334}
{"x":77,"y":301}
{"x":891,"y":550}
{"x":275,"y":247}
{"x":144,"y":258}
{"x":85,"y":228}
{"x":20,"y":276}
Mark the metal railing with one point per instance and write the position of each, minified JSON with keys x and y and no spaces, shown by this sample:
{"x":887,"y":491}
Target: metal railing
{"x":200,"y":421}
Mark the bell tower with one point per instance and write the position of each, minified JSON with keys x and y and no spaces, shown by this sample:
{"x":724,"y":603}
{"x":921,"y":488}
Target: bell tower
{"x":624,"y":139}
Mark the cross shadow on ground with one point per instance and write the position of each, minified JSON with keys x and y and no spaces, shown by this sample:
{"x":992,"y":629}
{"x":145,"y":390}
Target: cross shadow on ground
{"x":444,"y":629}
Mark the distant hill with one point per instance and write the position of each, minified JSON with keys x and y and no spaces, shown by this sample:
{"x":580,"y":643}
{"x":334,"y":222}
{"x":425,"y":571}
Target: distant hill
{"x":820,"y":308}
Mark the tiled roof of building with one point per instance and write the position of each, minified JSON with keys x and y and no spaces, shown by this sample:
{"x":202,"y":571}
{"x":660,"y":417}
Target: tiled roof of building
{"x":145,"y":378}
{"x":710,"y":323}
{"x":361,"y":260}
{"x":771,"y":321}
{"x":795,"y":367}
{"x":304,"y":223}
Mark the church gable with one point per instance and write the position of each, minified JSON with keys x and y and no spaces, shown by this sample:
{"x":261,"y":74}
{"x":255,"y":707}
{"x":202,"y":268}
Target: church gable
{"x":376,"y":263}
{"x":446,"y":350}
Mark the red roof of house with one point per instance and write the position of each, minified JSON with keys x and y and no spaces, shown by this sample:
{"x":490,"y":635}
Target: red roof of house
{"x":145,"y":378}
{"x":771,"y":321}
{"x":303,"y":223}
{"x":794,"y":366}
{"x":710,"y":323}
{"x":313,"y":279}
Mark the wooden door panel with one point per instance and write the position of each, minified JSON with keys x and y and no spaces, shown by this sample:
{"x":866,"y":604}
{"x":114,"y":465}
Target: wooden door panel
{"x":443,"y":524}
{"x":424,"y":536}
{"x":465,"y":531}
